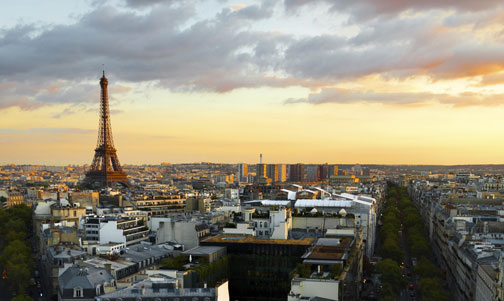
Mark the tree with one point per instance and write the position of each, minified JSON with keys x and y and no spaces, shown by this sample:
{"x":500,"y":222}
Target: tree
{"x":367,"y":266}
{"x":176,"y":263}
{"x":14,"y":235}
{"x":336,"y":270}
{"x":18,"y":274}
{"x":391,"y":275}
{"x":431,"y":290}
{"x":392,"y":250}
{"x":16,"y":248}
{"x":304,"y":269}
{"x":426,"y":269}
{"x":21,"y":298}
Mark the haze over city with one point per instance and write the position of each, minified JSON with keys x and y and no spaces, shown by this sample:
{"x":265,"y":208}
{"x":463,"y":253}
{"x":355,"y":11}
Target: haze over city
{"x":394,"y":82}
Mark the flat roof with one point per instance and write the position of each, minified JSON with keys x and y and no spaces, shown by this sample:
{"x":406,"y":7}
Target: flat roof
{"x":203,"y":250}
{"x":233,"y":238}
{"x":329,"y":249}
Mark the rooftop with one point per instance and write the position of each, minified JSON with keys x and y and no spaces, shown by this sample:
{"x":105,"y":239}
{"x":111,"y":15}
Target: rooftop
{"x":225,"y":238}
{"x":203,"y":250}
{"x":145,"y":289}
{"x":329,"y":249}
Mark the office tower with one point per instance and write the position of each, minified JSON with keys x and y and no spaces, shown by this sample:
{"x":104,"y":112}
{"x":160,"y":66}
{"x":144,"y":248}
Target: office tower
{"x":282,"y":172}
{"x":296,"y":172}
{"x":333,"y":170}
{"x":243,"y":172}
{"x":261,"y":170}
{"x":323,"y":172}
{"x":272,"y":172}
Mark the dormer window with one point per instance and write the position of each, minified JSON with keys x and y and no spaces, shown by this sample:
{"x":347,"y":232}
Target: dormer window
{"x":77,"y":292}
{"x":98,"y":290}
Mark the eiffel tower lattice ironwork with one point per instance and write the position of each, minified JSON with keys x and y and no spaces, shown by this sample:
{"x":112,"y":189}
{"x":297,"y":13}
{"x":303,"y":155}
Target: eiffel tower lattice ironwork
{"x":105,"y":169}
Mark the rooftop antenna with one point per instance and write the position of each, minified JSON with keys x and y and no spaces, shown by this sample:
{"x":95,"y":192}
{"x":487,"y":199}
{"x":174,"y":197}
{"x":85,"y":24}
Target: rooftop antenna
{"x":103,"y":69}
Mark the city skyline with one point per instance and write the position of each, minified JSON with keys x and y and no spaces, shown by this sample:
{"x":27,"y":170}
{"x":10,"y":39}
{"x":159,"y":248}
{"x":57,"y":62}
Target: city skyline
{"x":222,"y":81}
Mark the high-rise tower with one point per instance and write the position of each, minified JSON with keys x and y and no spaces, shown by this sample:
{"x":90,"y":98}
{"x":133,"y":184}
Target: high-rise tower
{"x":105,"y":169}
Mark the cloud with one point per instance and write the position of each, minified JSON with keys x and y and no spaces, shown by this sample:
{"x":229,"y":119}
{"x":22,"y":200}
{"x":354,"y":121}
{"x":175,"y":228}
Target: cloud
{"x":346,"y":96}
{"x":46,"y":131}
{"x":493,"y":79}
{"x":146,"y":3}
{"x":366,"y":9}
{"x":173,"y":45}
{"x":24,"y":103}
{"x":136,"y":48}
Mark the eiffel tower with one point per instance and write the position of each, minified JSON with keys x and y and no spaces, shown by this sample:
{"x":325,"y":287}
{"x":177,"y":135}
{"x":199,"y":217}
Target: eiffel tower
{"x":105,"y":169}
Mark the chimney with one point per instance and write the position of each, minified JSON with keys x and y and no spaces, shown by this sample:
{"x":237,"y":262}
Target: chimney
{"x":143,"y":289}
{"x":108,"y":267}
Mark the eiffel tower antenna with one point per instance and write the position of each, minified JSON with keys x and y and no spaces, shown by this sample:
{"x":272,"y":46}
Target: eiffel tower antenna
{"x":105,"y":169}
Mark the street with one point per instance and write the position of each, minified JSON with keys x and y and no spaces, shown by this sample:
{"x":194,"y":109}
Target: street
{"x":410,"y":292}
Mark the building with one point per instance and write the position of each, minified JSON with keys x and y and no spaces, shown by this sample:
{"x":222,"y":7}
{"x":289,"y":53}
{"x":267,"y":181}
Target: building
{"x":86,"y":199}
{"x":179,"y":230}
{"x":14,"y":198}
{"x":54,"y":234}
{"x":160,"y":287}
{"x":487,"y":282}
{"x":162,"y":206}
{"x":282,"y":173}
{"x":58,"y":259}
{"x":335,"y":270}
{"x":261,"y":170}
{"x":133,"y":262}
{"x":84,"y":283}
{"x":296,"y":172}
{"x":272,"y":172}
{"x":260,"y":269}
{"x":243,"y":172}
{"x":209,"y":253}
{"x":232,"y":194}
{"x":105,"y":230}
{"x":197,"y":203}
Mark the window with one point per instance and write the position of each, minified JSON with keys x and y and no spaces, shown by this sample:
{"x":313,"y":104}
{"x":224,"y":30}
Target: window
{"x":75,"y":213}
{"x":77,"y":292}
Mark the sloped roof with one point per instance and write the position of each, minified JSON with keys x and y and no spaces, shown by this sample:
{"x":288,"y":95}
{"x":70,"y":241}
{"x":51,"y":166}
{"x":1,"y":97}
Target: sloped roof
{"x":84,"y":277}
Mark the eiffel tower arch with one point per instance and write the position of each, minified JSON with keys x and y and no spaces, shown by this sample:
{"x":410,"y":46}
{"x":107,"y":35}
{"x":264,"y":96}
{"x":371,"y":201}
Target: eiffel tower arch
{"x":105,"y":169}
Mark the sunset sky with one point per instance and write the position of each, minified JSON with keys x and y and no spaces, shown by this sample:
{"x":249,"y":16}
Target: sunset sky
{"x":386,"y":82}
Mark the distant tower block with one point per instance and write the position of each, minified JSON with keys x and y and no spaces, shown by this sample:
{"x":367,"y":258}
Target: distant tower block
{"x":260,"y":158}
{"x":105,"y":169}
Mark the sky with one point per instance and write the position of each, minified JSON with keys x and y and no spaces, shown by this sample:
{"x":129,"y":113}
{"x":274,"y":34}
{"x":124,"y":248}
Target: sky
{"x":384,"y":82}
